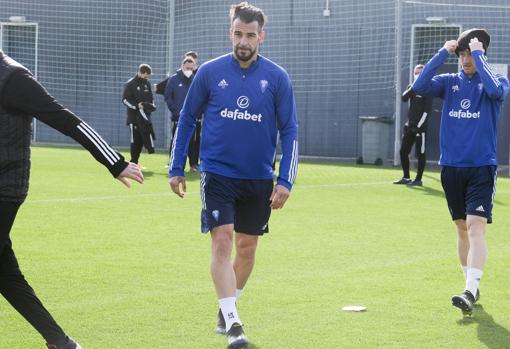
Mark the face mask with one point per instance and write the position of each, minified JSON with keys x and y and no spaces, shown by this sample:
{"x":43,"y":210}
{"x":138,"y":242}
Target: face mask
{"x":416,"y":76}
{"x":187,"y":73}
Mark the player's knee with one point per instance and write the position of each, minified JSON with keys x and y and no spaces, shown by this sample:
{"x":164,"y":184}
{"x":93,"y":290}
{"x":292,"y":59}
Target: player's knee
{"x":246,"y":248}
{"x":476,"y":232}
{"x":221,"y":247}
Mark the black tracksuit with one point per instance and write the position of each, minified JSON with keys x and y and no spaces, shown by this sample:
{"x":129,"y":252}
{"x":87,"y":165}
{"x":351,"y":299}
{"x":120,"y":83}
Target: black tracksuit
{"x":22,"y":97}
{"x":138,"y":90}
{"x":414,"y":131}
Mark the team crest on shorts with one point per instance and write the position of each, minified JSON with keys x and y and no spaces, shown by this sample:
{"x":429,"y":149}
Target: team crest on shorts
{"x":263,"y":85}
{"x":216,"y":215}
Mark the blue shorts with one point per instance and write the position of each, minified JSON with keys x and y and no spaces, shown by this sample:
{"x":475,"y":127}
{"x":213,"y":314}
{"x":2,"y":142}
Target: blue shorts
{"x":469,"y":190}
{"x":242,"y":202}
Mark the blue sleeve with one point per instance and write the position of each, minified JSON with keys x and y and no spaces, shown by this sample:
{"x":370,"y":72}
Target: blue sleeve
{"x":496,"y":86}
{"x":193,"y":106}
{"x":429,"y":85}
{"x":288,"y":128}
{"x":169,"y":97}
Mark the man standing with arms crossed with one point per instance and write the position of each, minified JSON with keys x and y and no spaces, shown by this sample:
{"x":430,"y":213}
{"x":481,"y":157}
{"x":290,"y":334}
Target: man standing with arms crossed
{"x":473,"y":99}
{"x":246,"y":100}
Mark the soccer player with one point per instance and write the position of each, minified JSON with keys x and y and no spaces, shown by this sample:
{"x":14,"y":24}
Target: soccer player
{"x":471,"y":109}
{"x":246,"y":99}
{"x":414,"y":132}
{"x":21,"y":97}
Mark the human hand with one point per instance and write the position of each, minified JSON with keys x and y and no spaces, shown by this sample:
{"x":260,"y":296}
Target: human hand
{"x":475,"y":45}
{"x":174,"y":184}
{"x":140,"y":105}
{"x":451,"y":45}
{"x":131,"y":171}
{"x":279,"y":196}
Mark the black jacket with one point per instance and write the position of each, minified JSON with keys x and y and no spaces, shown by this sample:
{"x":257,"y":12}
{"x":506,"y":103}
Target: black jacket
{"x":419,"y":110}
{"x":22,"y":97}
{"x":136,"y":90}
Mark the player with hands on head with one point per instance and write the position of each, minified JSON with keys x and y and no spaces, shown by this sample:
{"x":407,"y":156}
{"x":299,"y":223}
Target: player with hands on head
{"x":472,"y":103}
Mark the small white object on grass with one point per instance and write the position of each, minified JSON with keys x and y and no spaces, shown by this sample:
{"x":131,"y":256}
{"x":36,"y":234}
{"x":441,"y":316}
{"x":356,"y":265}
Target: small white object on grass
{"x":354,"y":308}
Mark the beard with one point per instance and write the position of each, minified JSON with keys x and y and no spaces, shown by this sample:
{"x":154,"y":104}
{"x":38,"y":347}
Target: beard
{"x":243,"y":57}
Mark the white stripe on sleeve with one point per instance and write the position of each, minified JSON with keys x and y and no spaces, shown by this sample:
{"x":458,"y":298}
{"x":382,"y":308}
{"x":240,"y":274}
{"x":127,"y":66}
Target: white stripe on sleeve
{"x":422,"y":120}
{"x":129,"y":105}
{"x":293,"y":163}
{"x":489,"y":71}
{"x":100,"y":144}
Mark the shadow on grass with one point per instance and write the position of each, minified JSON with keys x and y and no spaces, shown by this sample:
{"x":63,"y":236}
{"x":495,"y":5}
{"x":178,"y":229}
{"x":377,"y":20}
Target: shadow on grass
{"x":490,"y":333}
{"x":425,"y":189}
{"x":147,"y":174}
{"x":439,"y":193}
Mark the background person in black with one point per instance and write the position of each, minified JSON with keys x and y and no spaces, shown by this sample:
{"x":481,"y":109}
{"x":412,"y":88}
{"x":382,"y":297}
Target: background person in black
{"x":22,"y":97}
{"x":414,"y":132}
{"x":137,"y":97}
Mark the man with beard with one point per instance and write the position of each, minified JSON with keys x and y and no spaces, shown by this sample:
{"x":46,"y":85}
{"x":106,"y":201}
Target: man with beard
{"x":137,"y":97}
{"x":246,"y":100}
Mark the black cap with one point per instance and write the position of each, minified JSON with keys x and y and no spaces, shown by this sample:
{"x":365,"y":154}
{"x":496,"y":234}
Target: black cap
{"x":465,"y":37}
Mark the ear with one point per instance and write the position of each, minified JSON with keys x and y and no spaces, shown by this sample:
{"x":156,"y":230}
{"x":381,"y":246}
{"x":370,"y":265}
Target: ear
{"x":231,"y":34}
{"x":262,"y":36}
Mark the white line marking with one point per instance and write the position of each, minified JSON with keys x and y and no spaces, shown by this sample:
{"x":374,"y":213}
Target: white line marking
{"x":169,"y":193}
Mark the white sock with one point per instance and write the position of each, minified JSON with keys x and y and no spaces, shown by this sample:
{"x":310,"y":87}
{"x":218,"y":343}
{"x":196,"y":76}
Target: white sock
{"x":473,"y":280}
{"x":238,"y":293}
{"x":464,"y":269}
{"x":229,"y":311}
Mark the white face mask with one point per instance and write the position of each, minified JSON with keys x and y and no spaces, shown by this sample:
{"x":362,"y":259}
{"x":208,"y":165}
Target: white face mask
{"x":416,"y":76}
{"x":187,"y":73}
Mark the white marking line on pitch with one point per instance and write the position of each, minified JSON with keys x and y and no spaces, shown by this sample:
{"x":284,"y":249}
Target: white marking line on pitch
{"x":137,"y":196}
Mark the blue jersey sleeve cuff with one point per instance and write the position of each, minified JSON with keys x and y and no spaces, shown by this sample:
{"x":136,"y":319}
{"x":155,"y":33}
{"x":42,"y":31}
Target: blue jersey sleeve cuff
{"x":175,"y":172}
{"x":283,"y":182}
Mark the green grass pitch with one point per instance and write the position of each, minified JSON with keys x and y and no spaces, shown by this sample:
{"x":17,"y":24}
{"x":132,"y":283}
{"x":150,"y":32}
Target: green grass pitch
{"x":123,"y":268}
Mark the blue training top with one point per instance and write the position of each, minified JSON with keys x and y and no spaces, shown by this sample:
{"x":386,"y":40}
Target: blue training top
{"x":244,"y":110}
{"x":471,"y":110}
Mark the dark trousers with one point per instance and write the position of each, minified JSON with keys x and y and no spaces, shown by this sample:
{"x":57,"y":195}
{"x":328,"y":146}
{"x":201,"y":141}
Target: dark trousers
{"x":136,"y":143}
{"x":408,"y":140}
{"x":194,"y":143}
{"x":16,"y":289}
{"x":194,"y":146}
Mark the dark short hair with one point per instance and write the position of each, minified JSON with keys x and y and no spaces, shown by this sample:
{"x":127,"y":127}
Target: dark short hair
{"x":247,"y":13}
{"x":465,"y":37}
{"x":144,"y":69}
{"x":193,"y":54}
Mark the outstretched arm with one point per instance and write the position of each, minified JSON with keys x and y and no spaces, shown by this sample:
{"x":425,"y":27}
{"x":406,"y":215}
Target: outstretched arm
{"x":24,"y":95}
